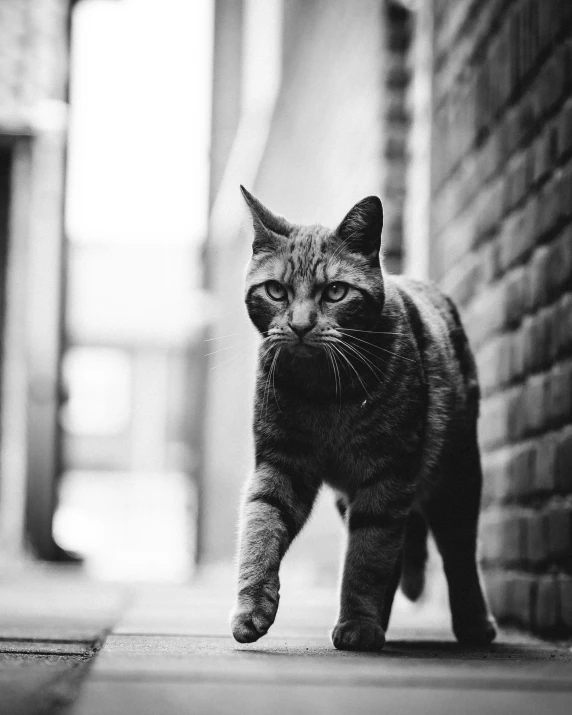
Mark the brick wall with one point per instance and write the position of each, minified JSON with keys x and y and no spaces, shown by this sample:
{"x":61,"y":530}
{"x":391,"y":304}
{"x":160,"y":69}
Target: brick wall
{"x":501,"y":245}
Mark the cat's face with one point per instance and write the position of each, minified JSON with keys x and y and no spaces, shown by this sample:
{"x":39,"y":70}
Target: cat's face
{"x":306,"y":285}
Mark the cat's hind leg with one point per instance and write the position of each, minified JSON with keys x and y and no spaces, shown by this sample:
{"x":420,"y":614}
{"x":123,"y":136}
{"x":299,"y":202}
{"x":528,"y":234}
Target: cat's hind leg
{"x":414,"y":556}
{"x":453,"y":513}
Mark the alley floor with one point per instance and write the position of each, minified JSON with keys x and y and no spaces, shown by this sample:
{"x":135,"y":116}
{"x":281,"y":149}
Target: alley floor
{"x":68,"y":645}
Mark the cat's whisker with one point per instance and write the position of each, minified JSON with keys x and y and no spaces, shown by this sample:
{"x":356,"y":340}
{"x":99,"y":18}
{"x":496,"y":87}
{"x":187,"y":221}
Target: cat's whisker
{"x":269,"y":377}
{"x":221,"y":337}
{"x":374,"y":369}
{"x":337,"y":381}
{"x":378,"y":347}
{"x":234,"y":361}
{"x":330,"y":365}
{"x":371,"y":332}
{"x":349,"y":362}
{"x":337,"y":376}
{"x":222,"y":350}
{"x":241,"y":354}
{"x":273,"y":375}
{"x":231,"y":364}
{"x":225,"y":362}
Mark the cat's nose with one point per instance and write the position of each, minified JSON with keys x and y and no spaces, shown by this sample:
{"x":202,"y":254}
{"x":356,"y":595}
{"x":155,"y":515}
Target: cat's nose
{"x":300,"y":329}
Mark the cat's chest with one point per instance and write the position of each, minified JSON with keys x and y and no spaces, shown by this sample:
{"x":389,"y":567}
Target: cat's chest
{"x":350,"y":443}
{"x":343,"y":436}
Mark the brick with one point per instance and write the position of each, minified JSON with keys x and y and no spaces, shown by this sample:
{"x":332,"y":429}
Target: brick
{"x":486,"y":314}
{"x":537,"y":344}
{"x":498,"y":586}
{"x":564,"y":461}
{"x":545,"y":465}
{"x":489,"y":261}
{"x":550,"y":83}
{"x":490,"y":209}
{"x":516,"y":182}
{"x":493,"y":424}
{"x":536,"y":403}
{"x":503,"y":536}
{"x":553,"y":316}
{"x":526,"y":118}
{"x":496,"y":475}
{"x":517,"y":237}
{"x":490,"y":543}
{"x":493,"y":363}
{"x":522,"y":469}
{"x":545,"y":24}
{"x":565,"y":131}
{"x":537,"y":544}
{"x":464,"y":279}
{"x":565,"y":588}
{"x":509,"y":472}
{"x":564,"y":188}
{"x":516,"y":357}
{"x":517,"y":294}
{"x":541,"y":153}
{"x":514,"y":54}
{"x":559,"y":264}
{"x":560,"y":393}
{"x":538,"y":284}
{"x":512,"y":535}
{"x":522,"y":597}
{"x":564,"y":321}
{"x":516,"y":408}
{"x":547,"y":605}
{"x":553,"y":131}
{"x":559,"y":527}
{"x":548,"y":209}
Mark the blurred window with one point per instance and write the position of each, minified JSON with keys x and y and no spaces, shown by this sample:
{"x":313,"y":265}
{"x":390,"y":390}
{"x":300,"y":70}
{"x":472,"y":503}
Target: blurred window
{"x":98,"y":381}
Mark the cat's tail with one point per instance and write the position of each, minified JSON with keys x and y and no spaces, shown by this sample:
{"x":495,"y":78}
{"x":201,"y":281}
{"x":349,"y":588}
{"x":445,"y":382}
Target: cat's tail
{"x":414,"y":556}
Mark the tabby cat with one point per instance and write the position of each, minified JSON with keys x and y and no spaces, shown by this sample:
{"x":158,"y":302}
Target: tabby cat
{"x":366,"y":383}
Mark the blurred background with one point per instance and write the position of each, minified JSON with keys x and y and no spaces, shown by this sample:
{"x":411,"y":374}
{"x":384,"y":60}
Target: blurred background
{"x":127,"y":359}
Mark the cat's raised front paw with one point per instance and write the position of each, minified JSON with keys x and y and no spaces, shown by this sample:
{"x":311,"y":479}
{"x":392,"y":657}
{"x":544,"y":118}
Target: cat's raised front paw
{"x":253,"y":617}
{"x":358,"y":635}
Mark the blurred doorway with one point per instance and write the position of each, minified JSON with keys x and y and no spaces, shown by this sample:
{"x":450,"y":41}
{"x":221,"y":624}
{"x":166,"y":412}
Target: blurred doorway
{"x":135,"y":221}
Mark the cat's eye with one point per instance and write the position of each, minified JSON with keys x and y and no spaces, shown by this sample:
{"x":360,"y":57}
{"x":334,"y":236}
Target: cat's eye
{"x":335,"y":292}
{"x":276,"y":290}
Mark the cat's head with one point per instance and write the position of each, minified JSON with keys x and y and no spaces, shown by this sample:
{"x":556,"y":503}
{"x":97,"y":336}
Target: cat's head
{"x":306,"y":284}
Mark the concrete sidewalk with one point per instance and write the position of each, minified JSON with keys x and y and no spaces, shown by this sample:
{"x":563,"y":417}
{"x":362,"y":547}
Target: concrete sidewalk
{"x":52,"y":622}
{"x":170,"y":652}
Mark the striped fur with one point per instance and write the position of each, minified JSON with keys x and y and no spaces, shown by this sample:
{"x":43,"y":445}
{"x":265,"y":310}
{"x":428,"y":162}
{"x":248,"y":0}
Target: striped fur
{"x":375,"y":396}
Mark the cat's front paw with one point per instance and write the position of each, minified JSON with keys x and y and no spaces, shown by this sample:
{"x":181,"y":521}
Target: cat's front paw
{"x":358,"y":635}
{"x":253,"y":616}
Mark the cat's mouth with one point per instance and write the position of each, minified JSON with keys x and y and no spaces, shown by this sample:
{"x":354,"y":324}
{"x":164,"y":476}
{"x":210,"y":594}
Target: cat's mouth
{"x":301,"y":349}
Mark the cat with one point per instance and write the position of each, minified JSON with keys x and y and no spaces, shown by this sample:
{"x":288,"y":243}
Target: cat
{"x":366,"y":383}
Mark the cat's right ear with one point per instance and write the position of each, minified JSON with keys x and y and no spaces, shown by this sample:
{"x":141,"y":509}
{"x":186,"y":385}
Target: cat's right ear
{"x":360,"y":231}
{"x":269,"y":228}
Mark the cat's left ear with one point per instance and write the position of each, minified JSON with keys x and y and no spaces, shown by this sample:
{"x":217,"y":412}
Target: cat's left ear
{"x":360,"y":231}
{"x":269,"y":228}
